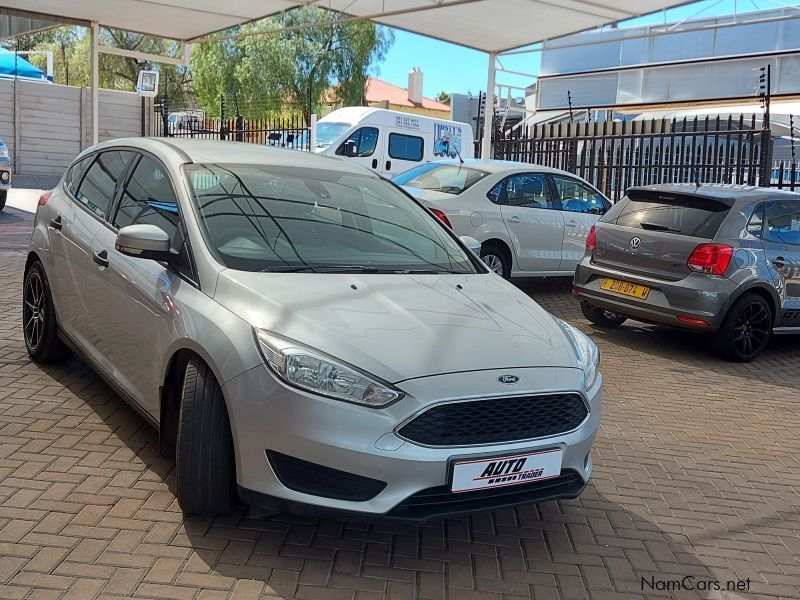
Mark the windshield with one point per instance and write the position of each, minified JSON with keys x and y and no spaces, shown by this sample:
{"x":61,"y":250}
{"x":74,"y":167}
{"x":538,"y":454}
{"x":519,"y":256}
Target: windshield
{"x":327,"y":133}
{"x":451,"y":179}
{"x":277,"y":218}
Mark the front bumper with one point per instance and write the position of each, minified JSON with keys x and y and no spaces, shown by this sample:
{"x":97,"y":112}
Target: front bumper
{"x":267,"y":415}
{"x":697,"y":296}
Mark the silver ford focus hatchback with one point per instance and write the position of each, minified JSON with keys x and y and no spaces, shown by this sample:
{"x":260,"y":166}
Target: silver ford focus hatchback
{"x":305,"y":336}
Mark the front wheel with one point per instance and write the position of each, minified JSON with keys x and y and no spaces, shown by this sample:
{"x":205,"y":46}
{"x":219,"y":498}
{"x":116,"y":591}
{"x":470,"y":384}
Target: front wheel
{"x":601,"y":316}
{"x":745,"y":331}
{"x":206,"y":470}
{"x":494,"y":258}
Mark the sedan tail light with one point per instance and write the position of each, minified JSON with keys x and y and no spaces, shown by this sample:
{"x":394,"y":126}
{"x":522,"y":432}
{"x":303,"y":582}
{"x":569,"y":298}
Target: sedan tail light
{"x":712,"y":259}
{"x":591,"y":239}
{"x":45,"y":197}
{"x":442,"y":217}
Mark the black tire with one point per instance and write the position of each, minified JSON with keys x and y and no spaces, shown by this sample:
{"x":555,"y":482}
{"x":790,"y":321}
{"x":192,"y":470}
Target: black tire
{"x":496,"y":259}
{"x":601,"y":316}
{"x":3,"y":196}
{"x":39,"y":325}
{"x":206,"y":471}
{"x":746,"y":329}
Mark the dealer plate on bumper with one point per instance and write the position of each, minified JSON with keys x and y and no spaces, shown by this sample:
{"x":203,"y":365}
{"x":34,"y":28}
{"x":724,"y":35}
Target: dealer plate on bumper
{"x":471,"y":475}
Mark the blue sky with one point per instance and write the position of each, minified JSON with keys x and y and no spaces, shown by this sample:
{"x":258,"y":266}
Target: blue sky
{"x":455,"y":69}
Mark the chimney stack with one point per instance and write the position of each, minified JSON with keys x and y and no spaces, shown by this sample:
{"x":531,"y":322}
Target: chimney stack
{"x":415,"y":85}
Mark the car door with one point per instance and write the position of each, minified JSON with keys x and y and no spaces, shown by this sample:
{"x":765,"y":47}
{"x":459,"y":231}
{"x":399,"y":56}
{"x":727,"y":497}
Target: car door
{"x":536,"y":227}
{"x":130,"y":300}
{"x":404,"y":150}
{"x":366,"y":144}
{"x":582,"y":206}
{"x":93,"y":199}
{"x":781,"y":239}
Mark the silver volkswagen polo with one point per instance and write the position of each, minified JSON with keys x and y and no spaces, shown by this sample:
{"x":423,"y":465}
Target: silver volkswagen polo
{"x":305,"y":336}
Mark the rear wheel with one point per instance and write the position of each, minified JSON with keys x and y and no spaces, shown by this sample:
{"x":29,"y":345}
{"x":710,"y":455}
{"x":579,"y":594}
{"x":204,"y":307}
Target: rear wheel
{"x":206,"y":471}
{"x":39,"y":326}
{"x":745,"y":330}
{"x":601,"y":316}
{"x":497,"y":260}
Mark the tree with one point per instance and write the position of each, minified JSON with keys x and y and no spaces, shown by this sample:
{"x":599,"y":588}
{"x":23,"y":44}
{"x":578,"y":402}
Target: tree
{"x":444,"y":97}
{"x":265,"y":71}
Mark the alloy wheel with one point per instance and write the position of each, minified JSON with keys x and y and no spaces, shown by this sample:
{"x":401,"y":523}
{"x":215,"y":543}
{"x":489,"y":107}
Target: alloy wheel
{"x":494,"y":263}
{"x":751,"y":331}
{"x":34,"y":310}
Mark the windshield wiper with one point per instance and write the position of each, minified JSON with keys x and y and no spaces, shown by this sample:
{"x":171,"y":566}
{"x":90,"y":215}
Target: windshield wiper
{"x":319,"y":269}
{"x":427,"y":272}
{"x":657,"y":227}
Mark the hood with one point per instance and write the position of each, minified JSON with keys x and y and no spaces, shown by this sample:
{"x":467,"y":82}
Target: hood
{"x":400,"y":327}
{"x":428,"y":197}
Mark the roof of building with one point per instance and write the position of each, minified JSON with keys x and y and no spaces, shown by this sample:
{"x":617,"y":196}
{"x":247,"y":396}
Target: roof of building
{"x":379,"y":90}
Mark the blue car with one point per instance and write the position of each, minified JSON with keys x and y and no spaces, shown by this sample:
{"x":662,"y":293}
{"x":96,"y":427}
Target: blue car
{"x":5,"y":173}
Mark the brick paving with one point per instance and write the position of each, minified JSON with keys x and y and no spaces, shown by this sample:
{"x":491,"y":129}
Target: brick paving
{"x":696,"y":473}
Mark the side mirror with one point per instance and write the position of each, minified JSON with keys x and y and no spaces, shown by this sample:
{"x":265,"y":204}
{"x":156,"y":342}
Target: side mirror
{"x":145,"y":241}
{"x":350,"y":148}
{"x":471,"y":243}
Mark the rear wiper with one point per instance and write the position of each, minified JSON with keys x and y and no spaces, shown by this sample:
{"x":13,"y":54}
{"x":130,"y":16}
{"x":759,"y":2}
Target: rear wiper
{"x":657,"y":227}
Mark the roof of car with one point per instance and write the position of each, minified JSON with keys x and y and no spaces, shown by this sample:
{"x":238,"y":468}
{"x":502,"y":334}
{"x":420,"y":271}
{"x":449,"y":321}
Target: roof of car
{"x":498,"y":166}
{"x":720,"y":191}
{"x":217,"y":151}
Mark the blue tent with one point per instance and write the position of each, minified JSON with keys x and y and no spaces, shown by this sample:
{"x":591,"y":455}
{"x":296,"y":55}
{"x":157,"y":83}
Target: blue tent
{"x":12,"y":65}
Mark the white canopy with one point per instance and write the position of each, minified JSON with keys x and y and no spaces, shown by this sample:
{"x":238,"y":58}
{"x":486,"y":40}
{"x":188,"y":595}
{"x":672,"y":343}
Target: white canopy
{"x":487,"y":25}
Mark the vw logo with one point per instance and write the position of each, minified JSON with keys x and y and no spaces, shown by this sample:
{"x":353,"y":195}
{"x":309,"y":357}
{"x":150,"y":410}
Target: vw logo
{"x":508,"y":379}
{"x":635,"y":244}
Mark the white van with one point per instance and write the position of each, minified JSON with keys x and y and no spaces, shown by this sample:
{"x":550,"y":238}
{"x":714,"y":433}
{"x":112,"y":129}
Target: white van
{"x":390,"y":142}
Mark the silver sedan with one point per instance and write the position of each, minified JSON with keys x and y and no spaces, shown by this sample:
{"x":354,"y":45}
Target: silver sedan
{"x":305,"y":336}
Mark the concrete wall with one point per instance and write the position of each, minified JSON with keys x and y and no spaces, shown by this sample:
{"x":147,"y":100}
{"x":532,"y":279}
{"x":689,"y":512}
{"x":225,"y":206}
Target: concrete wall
{"x":45,"y":126}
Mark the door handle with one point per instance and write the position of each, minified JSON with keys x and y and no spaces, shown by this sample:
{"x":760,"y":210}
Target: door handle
{"x":779,"y":262}
{"x":101,"y":258}
{"x":514,"y":219}
{"x":55,"y":222}
{"x":374,"y":163}
{"x":572,"y":223}
{"x":388,"y":165}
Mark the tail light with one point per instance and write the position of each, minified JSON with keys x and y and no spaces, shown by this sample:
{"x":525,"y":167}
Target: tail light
{"x":442,"y":217}
{"x":45,"y":197}
{"x":712,"y":259}
{"x":591,"y":239}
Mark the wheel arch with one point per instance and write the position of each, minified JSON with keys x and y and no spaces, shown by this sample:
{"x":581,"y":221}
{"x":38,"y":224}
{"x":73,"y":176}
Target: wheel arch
{"x":502,"y":245}
{"x":767,"y":292}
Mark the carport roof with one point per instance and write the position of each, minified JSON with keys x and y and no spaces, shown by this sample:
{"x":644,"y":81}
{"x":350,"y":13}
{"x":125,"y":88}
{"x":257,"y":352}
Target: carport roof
{"x":487,"y":25}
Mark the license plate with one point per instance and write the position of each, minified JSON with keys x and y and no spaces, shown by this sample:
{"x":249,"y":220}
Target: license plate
{"x":625,"y":288}
{"x":502,"y":471}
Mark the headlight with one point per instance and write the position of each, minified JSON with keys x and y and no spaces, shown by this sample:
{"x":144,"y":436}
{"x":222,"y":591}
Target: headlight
{"x":315,"y":372}
{"x":3,"y":152}
{"x":587,"y":352}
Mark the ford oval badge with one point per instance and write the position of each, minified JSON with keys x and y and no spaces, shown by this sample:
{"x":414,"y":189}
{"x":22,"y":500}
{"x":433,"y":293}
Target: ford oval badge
{"x":508,"y":379}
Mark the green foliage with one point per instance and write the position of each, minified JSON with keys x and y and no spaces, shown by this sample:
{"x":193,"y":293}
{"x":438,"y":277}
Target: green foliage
{"x":264,"y":72}
{"x":443,"y":97}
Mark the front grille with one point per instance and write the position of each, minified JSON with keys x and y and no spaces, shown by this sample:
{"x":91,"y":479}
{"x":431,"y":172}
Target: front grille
{"x":496,"y":420}
{"x":311,"y":478}
{"x":440,"y":502}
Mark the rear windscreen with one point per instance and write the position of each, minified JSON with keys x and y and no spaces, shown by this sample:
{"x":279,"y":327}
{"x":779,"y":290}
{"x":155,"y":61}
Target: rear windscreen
{"x":681,"y":214}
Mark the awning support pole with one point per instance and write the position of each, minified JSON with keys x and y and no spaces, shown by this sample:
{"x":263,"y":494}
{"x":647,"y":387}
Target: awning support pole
{"x":486,"y":140}
{"x":95,"y":80}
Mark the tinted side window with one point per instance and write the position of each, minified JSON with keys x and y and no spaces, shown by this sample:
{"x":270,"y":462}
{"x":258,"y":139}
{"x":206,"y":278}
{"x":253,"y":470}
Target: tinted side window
{"x":75,"y":174}
{"x":783,"y":223}
{"x":405,"y":147}
{"x":96,"y":191}
{"x":366,"y":140}
{"x":149,"y":198}
{"x":530,"y":190}
{"x":577,"y":197}
{"x":755,"y":225}
{"x":496,"y":193}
